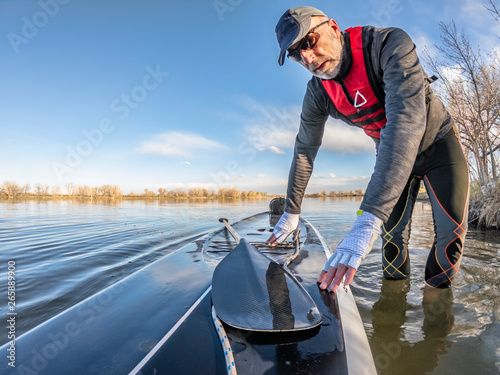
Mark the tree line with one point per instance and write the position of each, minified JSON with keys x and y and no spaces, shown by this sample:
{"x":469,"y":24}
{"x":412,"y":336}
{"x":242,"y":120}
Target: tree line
{"x":11,"y":189}
{"x":337,"y":193}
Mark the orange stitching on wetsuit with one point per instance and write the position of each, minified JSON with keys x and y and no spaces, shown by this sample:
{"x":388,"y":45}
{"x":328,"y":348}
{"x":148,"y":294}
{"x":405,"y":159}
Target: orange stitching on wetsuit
{"x":459,"y":226}
{"x":437,"y":200}
{"x":459,"y":236}
{"x":391,"y":237}
{"x":446,"y":247}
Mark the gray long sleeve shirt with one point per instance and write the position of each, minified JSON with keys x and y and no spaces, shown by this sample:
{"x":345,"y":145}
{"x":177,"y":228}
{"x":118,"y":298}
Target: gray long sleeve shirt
{"x":415,"y":119}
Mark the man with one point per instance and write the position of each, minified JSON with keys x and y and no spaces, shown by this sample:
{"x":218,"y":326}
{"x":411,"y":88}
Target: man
{"x":372,"y":78}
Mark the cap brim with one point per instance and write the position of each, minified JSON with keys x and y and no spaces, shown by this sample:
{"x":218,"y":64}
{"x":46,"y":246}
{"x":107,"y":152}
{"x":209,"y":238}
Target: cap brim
{"x":303,"y":30}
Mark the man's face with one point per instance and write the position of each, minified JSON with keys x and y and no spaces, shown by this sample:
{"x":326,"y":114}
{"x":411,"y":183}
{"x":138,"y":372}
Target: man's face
{"x":323,"y":60}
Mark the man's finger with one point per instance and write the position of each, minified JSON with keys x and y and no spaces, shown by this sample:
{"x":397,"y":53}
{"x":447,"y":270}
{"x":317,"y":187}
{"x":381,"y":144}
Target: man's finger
{"x":321,"y":277}
{"x":349,"y":275}
{"x":338,"y":277}
{"x":329,"y":277}
{"x":272,"y":240}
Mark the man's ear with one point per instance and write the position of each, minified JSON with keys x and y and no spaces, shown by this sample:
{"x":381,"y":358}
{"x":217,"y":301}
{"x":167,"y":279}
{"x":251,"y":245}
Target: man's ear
{"x":335,"y":27}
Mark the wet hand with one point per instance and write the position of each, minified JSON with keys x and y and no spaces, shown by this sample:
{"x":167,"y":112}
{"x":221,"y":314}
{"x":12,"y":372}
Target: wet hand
{"x":286,"y":225}
{"x":272,"y":241}
{"x":351,"y":251}
{"x":332,"y":278}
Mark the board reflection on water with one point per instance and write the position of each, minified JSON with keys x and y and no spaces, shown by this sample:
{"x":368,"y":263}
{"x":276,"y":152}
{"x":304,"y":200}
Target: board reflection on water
{"x":67,"y":251}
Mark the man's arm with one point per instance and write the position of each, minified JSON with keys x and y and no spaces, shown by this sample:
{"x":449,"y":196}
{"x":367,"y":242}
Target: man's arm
{"x":312,"y":125}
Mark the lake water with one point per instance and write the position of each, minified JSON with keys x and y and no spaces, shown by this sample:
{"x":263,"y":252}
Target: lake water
{"x":65,"y":251}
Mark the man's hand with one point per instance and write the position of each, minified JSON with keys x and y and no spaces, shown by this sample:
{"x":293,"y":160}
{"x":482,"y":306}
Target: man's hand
{"x":334,"y":277}
{"x":351,"y":251}
{"x":286,"y":225}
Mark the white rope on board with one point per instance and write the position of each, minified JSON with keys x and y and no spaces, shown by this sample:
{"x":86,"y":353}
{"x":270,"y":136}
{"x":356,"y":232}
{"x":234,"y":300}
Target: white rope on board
{"x":226,"y":347}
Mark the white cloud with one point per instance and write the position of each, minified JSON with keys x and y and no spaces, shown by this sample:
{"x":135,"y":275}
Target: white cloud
{"x":320,"y":182}
{"x":177,"y":144}
{"x":271,"y":128}
{"x":274,"y":129}
{"x":343,"y":138}
{"x":276,"y":150}
{"x":452,"y":74}
{"x":425,"y":43}
{"x":496,"y":53}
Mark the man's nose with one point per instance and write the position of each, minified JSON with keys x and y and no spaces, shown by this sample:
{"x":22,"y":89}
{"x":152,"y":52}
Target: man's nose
{"x":308,"y":56}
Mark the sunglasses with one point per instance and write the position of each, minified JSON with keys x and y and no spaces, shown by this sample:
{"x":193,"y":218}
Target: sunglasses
{"x":307,"y":42}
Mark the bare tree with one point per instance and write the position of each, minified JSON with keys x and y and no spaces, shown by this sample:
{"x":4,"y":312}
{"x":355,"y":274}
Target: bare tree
{"x":177,"y":193}
{"x":83,"y":191}
{"x":25,"y":190}
{"x":495,"y":12}
{"x":70,"y":188}
{"x":149,"y":193}
{"x":469,"y":87}
{"x":11,"y":189}
{"x":56,"y":190}
{"x":38,"y":189}
{"x":108,"y":191}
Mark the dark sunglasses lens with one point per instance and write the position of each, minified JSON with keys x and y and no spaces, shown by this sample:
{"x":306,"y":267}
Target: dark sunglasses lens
{"x":312,"y":39}
{"x":308,"y":42}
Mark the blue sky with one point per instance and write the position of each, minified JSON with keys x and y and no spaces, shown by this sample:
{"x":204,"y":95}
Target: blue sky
{"x":149,"y":94}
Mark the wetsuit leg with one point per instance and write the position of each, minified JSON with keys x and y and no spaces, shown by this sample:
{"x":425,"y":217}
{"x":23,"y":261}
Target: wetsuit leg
{"x":396,"y":233}
{"x":447,"y":183}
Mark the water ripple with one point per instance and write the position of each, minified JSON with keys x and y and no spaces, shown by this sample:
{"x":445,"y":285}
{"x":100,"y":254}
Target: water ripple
{"x":67,"y":251}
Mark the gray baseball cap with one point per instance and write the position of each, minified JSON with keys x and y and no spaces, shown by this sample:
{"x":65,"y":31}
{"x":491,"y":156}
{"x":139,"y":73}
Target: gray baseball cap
{"x":293,"y":26}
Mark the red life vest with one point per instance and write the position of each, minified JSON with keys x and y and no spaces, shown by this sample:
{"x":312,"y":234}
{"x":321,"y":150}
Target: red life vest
{"x":356,"y":99}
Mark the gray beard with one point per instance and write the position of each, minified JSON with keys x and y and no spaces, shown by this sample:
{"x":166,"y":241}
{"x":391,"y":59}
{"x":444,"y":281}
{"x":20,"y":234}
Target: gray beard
{"x":335,"y":71}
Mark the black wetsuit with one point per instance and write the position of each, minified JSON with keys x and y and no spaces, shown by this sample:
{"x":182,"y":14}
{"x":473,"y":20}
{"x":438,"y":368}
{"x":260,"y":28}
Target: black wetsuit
{"x":443,"y":169}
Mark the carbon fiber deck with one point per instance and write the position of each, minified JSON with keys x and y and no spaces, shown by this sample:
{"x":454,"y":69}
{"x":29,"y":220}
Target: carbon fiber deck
{"x":251,"y":291}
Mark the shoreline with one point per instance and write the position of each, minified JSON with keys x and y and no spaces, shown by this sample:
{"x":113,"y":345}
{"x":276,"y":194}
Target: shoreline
{"x":484,"y":209}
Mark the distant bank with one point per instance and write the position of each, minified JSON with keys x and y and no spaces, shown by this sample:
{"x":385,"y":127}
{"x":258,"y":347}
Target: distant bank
{"x":484,"y":202}
{"x":12,"y":190}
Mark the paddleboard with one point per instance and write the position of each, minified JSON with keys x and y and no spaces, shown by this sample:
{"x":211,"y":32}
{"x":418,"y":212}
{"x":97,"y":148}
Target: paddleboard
{"x":159,"y":320}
